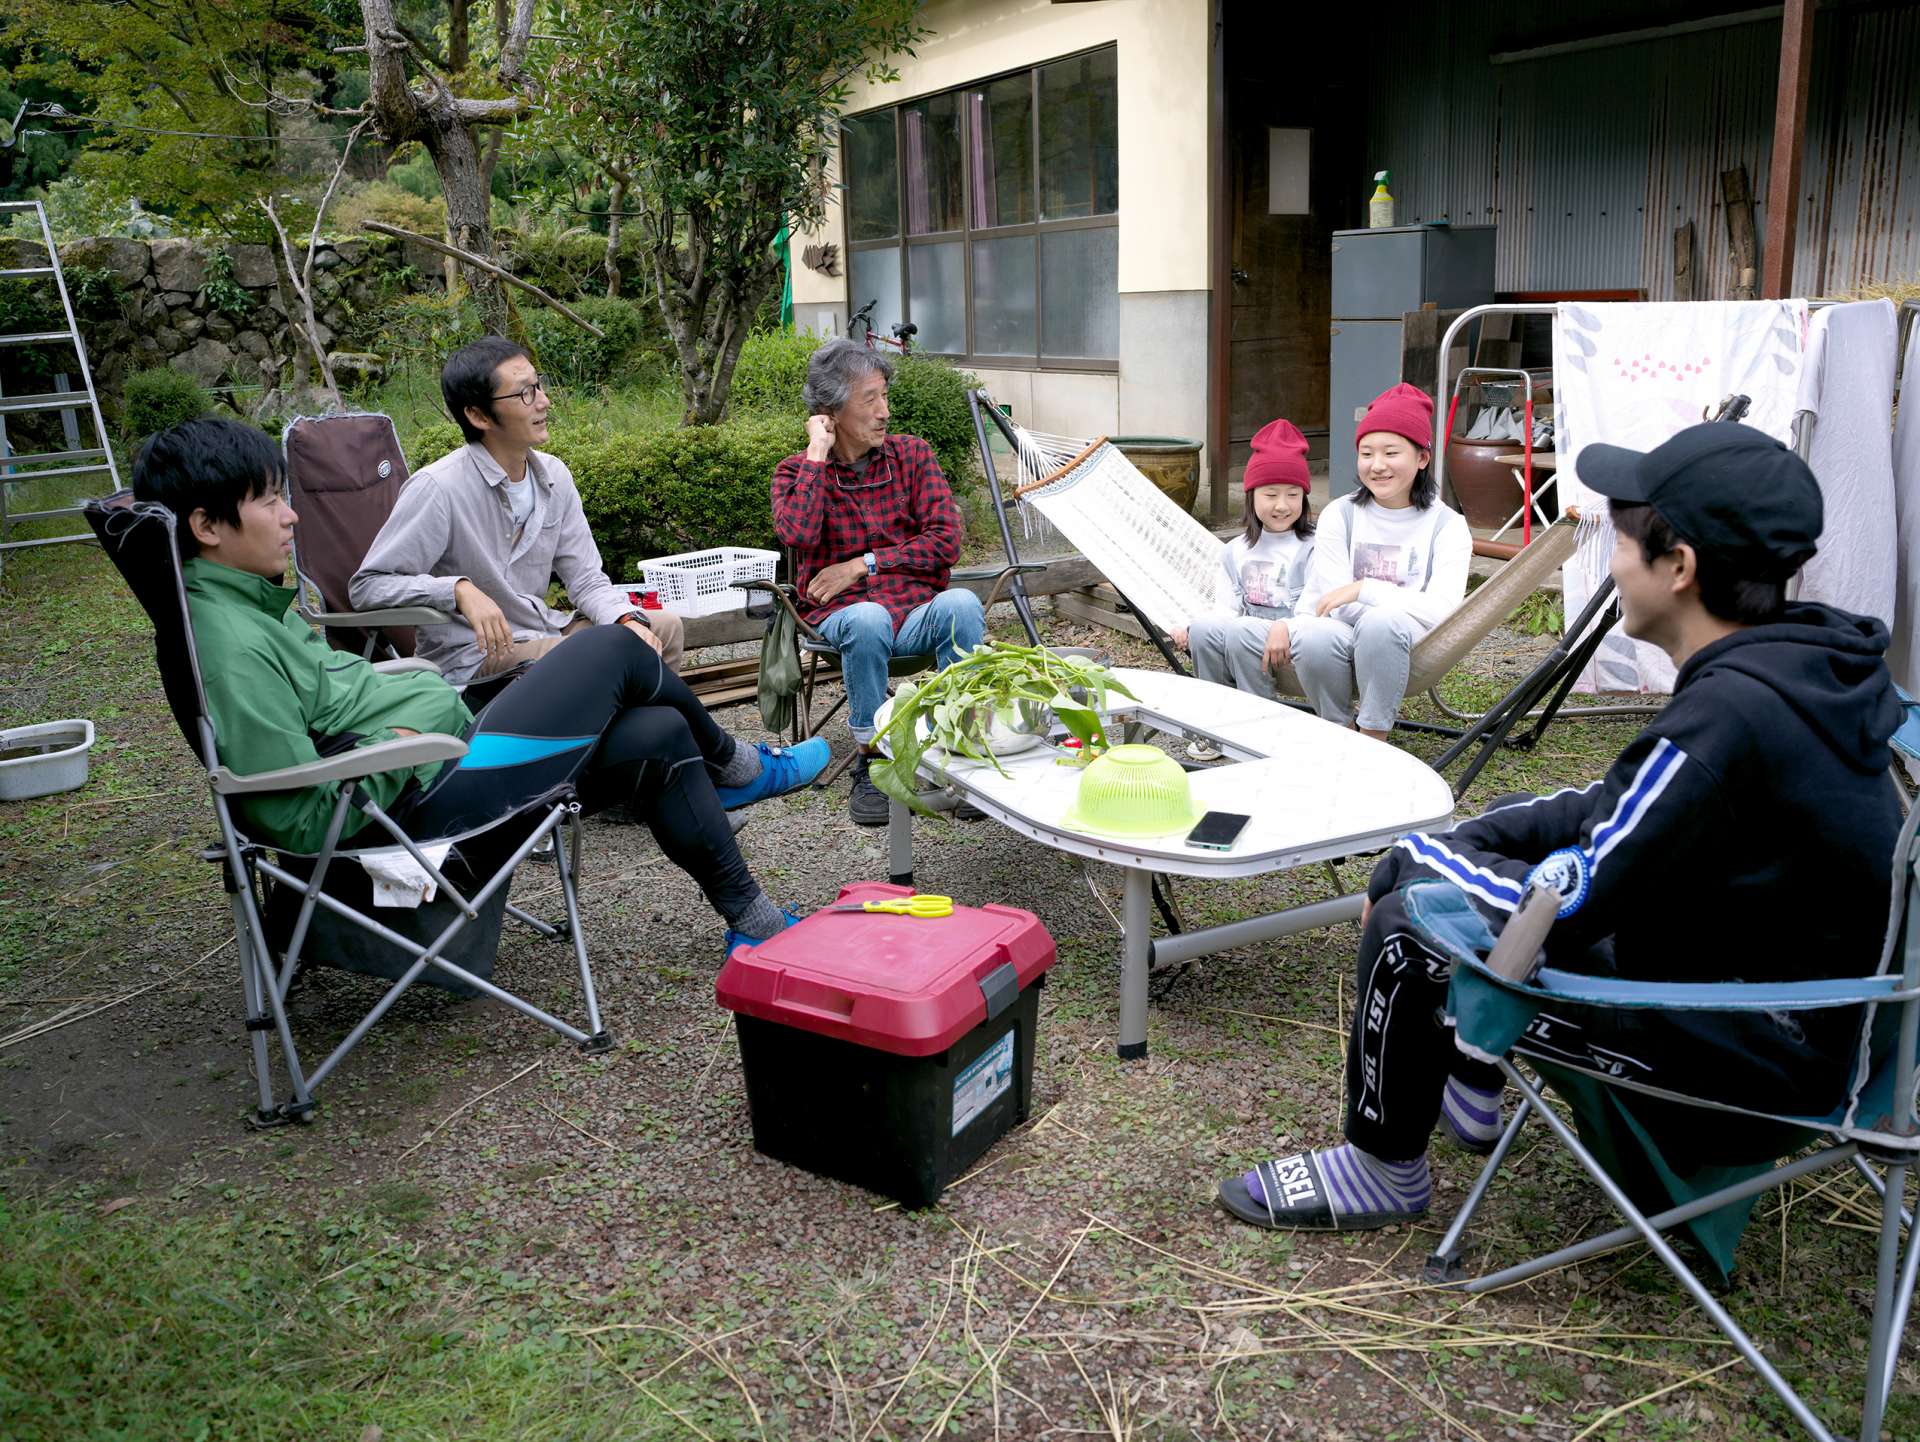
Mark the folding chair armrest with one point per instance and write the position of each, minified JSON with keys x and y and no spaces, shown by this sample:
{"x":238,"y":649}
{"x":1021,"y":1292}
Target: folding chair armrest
{"x":394,"y":616}
{"x":405,"y":663}
{"x":400,"y":754}
{"x":1703,"y":995}
{"x":784,"y":595}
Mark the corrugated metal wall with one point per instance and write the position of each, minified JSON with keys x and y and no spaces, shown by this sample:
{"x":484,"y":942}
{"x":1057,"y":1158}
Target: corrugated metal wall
{"x":1589,"y":161}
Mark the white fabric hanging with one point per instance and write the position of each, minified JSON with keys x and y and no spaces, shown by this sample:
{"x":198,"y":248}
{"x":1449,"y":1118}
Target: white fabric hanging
{"x":1635,"y":374}
{"x":1846,"y":387}
{"x":1904,"y":655}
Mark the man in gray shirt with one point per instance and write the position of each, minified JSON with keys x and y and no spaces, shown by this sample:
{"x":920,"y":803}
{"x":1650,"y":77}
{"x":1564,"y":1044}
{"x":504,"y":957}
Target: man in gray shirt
{"x":481,"y":532}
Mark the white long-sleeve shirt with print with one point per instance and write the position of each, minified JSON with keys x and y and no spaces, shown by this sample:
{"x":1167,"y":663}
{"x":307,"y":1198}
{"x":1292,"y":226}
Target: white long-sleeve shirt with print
{"x":1406,"y":560}
{"x":1263,"y":579}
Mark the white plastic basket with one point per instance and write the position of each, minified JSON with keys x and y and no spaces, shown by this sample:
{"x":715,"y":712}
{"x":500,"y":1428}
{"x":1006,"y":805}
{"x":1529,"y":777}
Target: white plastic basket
{"x":701,"y":583}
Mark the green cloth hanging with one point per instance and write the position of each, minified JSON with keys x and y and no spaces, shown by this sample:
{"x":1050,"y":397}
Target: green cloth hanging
{"x":779,"y":671}
{"x":785,"y":241}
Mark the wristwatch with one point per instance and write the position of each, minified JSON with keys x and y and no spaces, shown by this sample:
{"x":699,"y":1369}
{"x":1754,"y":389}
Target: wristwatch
{"x":873,"y":564}
{"x":640,"y":616}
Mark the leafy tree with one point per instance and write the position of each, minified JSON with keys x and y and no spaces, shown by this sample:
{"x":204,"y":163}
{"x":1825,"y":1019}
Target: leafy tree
{"x":158,"y":67}
{"x":713,"y":119}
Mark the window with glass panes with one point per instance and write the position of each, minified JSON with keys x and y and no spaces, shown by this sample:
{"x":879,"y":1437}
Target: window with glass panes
{"x":988,"y":216}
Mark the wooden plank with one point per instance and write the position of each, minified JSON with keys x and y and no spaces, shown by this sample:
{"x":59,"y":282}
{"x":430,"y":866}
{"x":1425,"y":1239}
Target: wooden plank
{"x":1420,"y":333}
{"x":1683,"y":262}
{"x":1736,"y":198}
{"x":1789,"y":142}
{"x":1098,"y":610}
{"x":1499,"y":343}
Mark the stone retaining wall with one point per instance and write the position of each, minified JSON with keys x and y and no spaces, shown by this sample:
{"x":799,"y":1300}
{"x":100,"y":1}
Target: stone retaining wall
{"x":160,"y":312}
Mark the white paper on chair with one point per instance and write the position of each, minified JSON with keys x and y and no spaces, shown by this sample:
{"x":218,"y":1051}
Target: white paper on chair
{"x":399,"y":880}
{"x":1903,"y":656}
{"x":1156,"y":555}
{"x":1847,"y":385}
{"x":1634,"y":375}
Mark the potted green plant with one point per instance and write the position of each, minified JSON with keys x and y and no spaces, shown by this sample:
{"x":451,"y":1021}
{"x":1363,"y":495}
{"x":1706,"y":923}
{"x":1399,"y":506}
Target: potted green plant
{"x":989,"y":701}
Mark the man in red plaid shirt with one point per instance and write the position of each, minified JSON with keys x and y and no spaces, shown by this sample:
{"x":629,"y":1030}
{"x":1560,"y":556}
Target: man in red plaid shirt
{"x":874,"y":531}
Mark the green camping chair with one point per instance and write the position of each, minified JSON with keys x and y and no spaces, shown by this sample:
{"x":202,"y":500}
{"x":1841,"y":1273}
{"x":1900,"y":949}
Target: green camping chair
{"x":1874,"y":1129}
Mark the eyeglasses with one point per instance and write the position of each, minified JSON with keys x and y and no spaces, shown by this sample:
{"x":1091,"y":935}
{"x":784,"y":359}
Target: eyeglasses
{"x":525,"y":394}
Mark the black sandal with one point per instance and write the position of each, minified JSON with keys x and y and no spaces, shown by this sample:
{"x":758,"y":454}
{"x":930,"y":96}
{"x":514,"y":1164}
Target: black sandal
{"x":1305,"y":1204}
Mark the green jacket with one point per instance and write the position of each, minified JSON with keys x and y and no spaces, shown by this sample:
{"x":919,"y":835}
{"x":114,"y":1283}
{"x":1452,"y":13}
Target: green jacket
{"x":277,"y":692}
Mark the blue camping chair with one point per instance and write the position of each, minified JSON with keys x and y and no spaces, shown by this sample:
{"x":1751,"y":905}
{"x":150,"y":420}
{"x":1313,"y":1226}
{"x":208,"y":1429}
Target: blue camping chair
{"x":1875,"y":1122}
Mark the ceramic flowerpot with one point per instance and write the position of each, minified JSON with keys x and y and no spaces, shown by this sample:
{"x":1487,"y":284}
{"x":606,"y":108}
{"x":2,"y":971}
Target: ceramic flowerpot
{"x":1171,"y":462}
{"x":1482,"y":486}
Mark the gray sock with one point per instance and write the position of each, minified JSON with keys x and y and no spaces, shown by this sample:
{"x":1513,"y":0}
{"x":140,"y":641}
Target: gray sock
{"x":760,"y":920}
{"x":740,"y":768}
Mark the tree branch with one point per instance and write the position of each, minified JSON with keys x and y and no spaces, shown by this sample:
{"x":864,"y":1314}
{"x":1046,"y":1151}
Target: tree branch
{"x":513,"y":46}
{"x":482,"y":263}
{"x":490,"y":112}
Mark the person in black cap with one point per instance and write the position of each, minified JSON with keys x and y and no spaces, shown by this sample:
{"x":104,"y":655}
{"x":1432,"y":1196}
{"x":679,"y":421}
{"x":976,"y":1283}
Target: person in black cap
{"x":1745,"y":834}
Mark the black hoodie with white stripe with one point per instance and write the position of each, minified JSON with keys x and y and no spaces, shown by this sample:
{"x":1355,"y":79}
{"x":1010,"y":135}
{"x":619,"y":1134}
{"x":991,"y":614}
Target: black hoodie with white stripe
{"x":1746,"y":834}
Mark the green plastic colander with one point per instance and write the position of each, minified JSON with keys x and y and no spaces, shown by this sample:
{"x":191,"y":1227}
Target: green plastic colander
{"x":1133,"y":791}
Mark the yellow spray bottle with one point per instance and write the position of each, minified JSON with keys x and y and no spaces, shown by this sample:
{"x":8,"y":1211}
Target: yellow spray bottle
{"x":1380,"y":208}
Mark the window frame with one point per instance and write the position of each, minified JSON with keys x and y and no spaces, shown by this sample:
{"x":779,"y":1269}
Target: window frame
{"x":969,"y":233}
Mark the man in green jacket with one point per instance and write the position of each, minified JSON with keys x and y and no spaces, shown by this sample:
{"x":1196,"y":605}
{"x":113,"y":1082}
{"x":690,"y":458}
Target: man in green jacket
{"x":602,"y":716}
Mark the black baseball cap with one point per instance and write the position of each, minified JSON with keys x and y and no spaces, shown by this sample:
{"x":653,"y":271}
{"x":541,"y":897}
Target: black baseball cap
{"x":1726,"y":489}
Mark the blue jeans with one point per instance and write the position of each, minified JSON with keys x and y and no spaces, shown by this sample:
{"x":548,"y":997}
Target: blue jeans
{"x":947,"y":627}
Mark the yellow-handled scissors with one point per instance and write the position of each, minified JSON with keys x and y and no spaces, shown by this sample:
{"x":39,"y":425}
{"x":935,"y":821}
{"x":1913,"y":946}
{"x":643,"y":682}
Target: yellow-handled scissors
{"x":919,"y":905}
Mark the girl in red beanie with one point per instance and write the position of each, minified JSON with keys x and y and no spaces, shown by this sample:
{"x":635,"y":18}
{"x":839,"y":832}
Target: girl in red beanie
{"x":1390,"y":561}
{"x":1245,"y":639}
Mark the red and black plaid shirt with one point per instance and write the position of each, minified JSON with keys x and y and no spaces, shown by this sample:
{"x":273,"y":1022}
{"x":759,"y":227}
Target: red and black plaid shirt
{"x":902,"y":510}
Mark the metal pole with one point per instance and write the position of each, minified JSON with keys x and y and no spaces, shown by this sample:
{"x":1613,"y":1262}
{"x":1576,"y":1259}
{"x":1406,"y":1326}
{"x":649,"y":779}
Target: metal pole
{"x":1136,"y":950}
{"x":1441,"y":387}
{"x":1189,"y":945}
{"x":1016,"y":586}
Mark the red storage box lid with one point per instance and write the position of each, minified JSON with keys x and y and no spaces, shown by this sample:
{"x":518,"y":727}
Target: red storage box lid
{"x":908,"y":985}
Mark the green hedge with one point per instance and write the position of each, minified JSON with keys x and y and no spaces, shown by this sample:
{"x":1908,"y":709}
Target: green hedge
{"x":928,"y":397}
{"x":153,"y":400}
{"x":653,"y":493}
{"x":574,"y":357}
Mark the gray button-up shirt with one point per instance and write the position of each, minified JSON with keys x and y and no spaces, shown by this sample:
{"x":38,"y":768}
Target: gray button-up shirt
{"x":453,"y":522}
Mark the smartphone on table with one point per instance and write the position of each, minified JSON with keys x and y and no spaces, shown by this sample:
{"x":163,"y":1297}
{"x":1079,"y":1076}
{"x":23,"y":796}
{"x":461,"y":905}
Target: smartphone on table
{"x":1218,"y":830}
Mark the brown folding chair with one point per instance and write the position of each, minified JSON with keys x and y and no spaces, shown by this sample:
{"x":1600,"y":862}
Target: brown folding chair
{"x":344,"y":473}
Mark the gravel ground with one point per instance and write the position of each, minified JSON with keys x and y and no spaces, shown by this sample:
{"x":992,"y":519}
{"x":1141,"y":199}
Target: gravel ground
{"x":1079,"y":1282}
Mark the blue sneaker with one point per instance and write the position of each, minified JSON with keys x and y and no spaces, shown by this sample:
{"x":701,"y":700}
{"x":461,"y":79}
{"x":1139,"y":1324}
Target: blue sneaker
{"x":740,"y":938}
{"x":782,"y":769}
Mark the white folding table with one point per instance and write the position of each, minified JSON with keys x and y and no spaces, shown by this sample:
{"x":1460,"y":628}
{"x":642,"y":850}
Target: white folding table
{"x":1314,"y":790}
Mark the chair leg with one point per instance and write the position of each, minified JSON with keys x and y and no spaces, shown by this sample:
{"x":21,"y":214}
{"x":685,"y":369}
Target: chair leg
{"x":1695,"y":1288}
{"x":567,"y":860}
{"x":257,"y":1017}
{"x":1865,"y":1168}
{"x":1444,"y":1264}
{"x":1889,"y":1303}
{"x":834,"y":772}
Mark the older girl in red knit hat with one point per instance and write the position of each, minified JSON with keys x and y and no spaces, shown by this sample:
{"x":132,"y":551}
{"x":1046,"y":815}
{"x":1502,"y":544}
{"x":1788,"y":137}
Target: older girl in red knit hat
{"x":1389,"y":562}
{"x":1244,"y":639}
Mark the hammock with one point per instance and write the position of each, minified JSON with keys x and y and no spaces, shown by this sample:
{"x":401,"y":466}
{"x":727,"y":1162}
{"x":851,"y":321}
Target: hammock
{"x":1156,"y":555}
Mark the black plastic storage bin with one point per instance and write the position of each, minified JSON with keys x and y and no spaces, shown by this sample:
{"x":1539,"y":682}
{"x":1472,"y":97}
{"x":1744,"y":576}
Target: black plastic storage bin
{"x":887,"y":1051}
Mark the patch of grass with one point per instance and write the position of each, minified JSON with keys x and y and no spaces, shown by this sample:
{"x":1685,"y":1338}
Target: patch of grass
{"x":252,"y":1323}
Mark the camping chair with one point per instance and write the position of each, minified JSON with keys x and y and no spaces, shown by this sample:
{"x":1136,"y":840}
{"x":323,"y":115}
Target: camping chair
{"x":1875,"y":1123}
{"x":796,"y":657}
{"x":344,"y":473}
{"x":453,"y":937}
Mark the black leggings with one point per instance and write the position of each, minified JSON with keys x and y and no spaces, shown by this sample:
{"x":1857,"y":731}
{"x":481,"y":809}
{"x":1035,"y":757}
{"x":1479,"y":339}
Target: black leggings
{"x":601,"y":714}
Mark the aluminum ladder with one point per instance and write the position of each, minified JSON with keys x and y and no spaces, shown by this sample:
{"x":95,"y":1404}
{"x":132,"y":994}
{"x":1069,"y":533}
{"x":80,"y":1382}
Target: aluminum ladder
{"x":75,"y":460}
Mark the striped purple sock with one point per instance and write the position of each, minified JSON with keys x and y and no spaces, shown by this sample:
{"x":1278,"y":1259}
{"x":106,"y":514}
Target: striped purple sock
{"x":1471,"y":1114}
{"x":1359,"y":1182}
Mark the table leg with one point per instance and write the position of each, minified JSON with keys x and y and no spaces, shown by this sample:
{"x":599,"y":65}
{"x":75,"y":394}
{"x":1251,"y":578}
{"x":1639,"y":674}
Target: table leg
{"x":1135,"y":948}
{"x":899,"y":844}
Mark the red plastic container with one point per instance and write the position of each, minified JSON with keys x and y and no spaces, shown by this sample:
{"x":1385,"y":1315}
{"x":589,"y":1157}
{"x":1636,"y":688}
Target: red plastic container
{"x":889,"y":1051}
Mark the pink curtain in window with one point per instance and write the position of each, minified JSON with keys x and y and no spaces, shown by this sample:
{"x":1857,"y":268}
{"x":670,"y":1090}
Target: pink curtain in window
{"x":916,"y":176}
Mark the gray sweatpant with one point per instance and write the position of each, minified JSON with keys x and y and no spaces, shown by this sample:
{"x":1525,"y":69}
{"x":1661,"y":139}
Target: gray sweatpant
{"x":1334,"y":661}
{"x":1231,"y":651}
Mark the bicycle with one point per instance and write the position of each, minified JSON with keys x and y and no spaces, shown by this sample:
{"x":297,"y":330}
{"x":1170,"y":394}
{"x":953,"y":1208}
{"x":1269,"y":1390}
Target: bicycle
{"x":903,"y":331}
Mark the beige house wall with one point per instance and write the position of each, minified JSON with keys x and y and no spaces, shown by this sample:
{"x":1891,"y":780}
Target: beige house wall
{"x":1162,"y":49}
